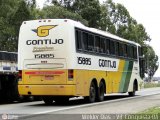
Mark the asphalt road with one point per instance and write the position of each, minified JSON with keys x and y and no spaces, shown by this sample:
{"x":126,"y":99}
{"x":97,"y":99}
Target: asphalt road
{"x":77,"y":108}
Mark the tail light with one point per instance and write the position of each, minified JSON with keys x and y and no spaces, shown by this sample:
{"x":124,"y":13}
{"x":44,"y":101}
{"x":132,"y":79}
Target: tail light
{"x":20,"y":75}
{"x":70,"y":74}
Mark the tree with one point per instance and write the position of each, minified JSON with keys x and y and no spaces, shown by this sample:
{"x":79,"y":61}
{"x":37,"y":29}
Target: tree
{"x":151,"y":61}
{"x":125,"y":26}
{"x":7,"y":33}
{"x":13,"y":13}
{"x":60,"y":12}
{"x":64,"y":3}
{"x":89,"y":10}
{"x":105,"y":21}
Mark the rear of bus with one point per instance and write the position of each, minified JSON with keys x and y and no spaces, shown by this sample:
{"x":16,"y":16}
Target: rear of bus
{"x":42,"y":59}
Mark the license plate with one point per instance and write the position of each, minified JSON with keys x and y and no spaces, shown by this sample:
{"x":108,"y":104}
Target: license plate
{"x":49,"y":77}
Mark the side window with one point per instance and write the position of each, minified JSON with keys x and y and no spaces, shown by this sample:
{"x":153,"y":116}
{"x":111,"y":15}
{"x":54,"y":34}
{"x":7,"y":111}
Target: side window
{"x":128,"y":51}
{"x":10,"y":57}
{"x":85,"y":41}
{"x":132,"y":52}
{"x":7,"y":56}
{"x":107,"y":46}
{"x":16,"y":57}
{"x":112,"y":47}
{"x":125,"y":50}
{"x":97,"y":44}
{"x":102,"y":45}
{"x":121,"y":52}
{"x":78,"y":40}
{"x":139,"y":51}
{"x":90,"y":42}
{"x":135,"y":52}
{"x":117,"y":48}
{"x":1,"y":55}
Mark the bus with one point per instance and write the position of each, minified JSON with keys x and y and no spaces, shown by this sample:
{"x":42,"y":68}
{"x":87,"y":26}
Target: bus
{"x":61,"y":58}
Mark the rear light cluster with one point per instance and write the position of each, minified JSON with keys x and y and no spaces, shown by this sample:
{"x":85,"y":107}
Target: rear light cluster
{"x":70,"y":74}
{"x":20,"y":75}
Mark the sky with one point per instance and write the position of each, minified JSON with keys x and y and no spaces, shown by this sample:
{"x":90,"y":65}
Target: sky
{"x":146,"y":12}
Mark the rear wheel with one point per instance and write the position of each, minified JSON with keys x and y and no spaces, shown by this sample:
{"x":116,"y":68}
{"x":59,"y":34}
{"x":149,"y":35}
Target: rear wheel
{"x":133,"y":93}
{"x":92,"y":93}
{"x":101,"y":92}
{"x":48,"y":100}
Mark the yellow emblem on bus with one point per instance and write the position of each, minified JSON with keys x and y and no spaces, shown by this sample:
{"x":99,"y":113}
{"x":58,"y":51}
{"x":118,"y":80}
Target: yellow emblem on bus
{"x":43,"y":31}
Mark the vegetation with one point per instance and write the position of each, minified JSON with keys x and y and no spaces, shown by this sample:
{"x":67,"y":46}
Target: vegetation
{"x":151,"y":85}
{"x":108,"y":17}
{"x":149,"y":114}
{"x":13,"y":12}
{"x":154,"y":110}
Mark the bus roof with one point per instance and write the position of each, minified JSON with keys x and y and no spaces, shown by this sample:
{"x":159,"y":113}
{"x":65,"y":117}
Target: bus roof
{"x":81,"y":26}
{"x":104,"y":33}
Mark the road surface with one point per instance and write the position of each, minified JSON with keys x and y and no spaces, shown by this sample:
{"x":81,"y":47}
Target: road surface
{"x":113,"y":104}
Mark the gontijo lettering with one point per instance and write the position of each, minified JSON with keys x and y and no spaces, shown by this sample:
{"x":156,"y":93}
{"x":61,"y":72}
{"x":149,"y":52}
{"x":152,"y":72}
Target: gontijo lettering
{"x":44,"y":42}
{"x":107,"y":63}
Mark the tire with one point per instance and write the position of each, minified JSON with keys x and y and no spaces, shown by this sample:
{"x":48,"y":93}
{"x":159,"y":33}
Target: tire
{"x":133,"y":93}
{"x":101,"y":91}
{"x":48,"y":100}
{"x":92,"y":93}
{"x":61,"y":100}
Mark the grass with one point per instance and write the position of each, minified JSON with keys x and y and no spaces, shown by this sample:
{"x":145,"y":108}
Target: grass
{"x":149,"y":114}
{"x":151,"y":85}
{"x":154,"y":110}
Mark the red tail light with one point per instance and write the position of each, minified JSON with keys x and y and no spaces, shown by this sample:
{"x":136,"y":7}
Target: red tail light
{"x":20,"y":75}
{"x":70,"y":74}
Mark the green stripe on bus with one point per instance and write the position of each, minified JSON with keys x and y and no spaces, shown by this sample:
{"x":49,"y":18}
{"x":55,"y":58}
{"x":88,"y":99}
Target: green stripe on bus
{"x":124,"y":74}
{"x":128,"y":76}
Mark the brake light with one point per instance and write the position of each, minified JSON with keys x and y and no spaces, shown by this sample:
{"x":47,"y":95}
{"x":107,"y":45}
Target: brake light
{"x":20,"y":75}
{"x":70,"y":74}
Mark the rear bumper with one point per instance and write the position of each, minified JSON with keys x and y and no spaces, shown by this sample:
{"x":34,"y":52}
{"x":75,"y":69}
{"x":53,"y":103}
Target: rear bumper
{"x":55,"y":90}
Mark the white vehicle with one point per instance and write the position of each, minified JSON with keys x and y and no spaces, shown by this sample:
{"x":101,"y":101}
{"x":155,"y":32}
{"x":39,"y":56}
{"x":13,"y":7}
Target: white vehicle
{"x":8,"y":62}
{"x":62,"y":58}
